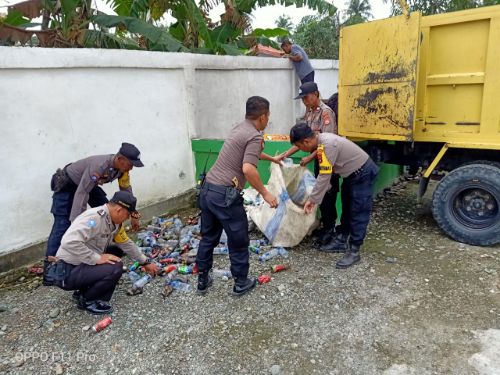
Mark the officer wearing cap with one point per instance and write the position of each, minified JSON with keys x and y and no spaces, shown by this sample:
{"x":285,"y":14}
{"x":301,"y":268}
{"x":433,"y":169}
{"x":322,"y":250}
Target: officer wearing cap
{"x":320,"y":119}
{"x":358,"y":172}
{"x":77,"y":185}
{"x":221,"y":201}
{"x":88,"y":260}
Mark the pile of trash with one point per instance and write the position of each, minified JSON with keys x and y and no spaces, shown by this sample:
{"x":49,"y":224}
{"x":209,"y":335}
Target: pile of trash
{"x":173,"y":247}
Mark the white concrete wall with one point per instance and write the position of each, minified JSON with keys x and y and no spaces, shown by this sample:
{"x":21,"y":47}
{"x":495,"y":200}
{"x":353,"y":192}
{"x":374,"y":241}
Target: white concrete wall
{"x":58,"y":106}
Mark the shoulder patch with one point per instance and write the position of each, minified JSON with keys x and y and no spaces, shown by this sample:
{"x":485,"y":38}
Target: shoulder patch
{"x":91,"y":223}
{"x":95,"y":177}
{"x":326,"y":118}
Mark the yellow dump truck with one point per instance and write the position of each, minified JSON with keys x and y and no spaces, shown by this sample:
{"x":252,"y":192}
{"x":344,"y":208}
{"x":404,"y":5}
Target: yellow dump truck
{"x":425,"y":92}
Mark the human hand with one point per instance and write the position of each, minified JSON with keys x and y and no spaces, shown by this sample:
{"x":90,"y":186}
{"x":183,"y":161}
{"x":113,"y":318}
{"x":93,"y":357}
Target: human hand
{"x":271,"y":199}
{"x":305,"y":160}
{"x":281,"y":156}
{"x":136,"y":224}
{"x":152,"y":269}
{"x":108,"y":259}
{"x":276,"y":160}
{"x":309,"y":207}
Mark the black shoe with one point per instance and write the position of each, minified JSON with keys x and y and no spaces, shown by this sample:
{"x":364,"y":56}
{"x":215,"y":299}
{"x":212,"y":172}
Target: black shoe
{"x":95,"y":307}
{"x":337,"y":244}
{"x":350,"y":258}
{"x":77,"y":295}
{"x":326,"y":236}
{"x":242,"y":287}
{"x":204,"y":282}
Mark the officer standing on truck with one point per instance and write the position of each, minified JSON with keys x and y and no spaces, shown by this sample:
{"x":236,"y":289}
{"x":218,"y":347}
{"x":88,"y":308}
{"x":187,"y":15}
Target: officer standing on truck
{"x":321,"y":119}
{"x":77,"y":185}
{"x":221,"y":201}
{"x":358,"y":172}
{"x":88,"y":260}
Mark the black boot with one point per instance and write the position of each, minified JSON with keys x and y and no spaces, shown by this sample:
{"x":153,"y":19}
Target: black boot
{"x":350,"y":258}
{"x":77,"y":295}
{"x":242,"y":286}
{"x":204,"y":282}
{"x":94,"y":307}
{"x":338,"y":244}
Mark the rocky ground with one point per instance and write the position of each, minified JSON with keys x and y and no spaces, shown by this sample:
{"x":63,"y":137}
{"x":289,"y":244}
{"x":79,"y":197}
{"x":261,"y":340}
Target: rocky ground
{"x":418,"y":303}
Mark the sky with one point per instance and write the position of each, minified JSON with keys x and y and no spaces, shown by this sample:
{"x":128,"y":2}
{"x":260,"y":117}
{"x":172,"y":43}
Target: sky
{"x":262,"y":17}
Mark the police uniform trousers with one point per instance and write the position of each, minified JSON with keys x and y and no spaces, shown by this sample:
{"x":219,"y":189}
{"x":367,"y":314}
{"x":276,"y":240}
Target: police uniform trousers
{"x":217,"y":215}
{"x":328,"y":206}
{"x":62,"y":202}
{"x":359,"y":201}
{"x":96,"y":282}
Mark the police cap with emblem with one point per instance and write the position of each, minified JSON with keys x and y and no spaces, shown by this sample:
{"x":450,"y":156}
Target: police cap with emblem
{"x":132,"y":153}
{"x":125,"y":199}
{"x":307,"y":88}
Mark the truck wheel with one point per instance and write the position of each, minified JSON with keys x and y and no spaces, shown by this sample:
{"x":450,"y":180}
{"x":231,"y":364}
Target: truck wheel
{"x":466,"y":204}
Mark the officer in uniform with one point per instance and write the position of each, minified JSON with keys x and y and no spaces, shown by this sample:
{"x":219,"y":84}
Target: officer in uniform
{"x":221,"y":202}
{"x":88,"y":260}
{"x":358,"y":172}
{"x":321,"y":119}
{"x":77,"y":185}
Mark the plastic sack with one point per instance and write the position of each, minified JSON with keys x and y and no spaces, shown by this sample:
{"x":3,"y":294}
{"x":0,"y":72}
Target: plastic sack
{"x":286,"y":225}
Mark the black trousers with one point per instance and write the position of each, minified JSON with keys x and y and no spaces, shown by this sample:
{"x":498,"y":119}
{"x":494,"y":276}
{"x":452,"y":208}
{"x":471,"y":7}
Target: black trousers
{"x":96,"y":282}
{"x":62,"y":202}
{"x":216,"y":216}
{"x":328,"y":206}
{"x":358,"y":205}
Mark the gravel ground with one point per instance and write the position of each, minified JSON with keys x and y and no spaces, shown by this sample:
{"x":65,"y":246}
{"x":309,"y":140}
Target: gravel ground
{"x":418,"y":303}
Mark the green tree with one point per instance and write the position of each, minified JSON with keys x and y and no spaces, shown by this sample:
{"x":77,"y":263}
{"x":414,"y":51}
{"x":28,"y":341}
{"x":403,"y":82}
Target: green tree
{"x":284,"y":22}
{"x":318,"y":36}
{"x":358,"y":11}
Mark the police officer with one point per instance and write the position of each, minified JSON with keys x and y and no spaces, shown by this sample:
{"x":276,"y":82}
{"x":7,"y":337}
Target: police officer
{"x":321,"y":119}
{"x":88,"y":260}
{"x":77,"y":185}
{"x":221,"y":201}
{"x":354,"y":166}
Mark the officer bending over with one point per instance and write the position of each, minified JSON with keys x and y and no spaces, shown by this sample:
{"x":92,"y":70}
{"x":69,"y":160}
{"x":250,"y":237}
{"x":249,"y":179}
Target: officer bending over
{"x":89,"y":256}
{"x":339,"y":155}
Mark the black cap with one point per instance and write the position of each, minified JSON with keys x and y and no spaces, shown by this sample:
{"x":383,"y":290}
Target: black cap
{"x":125,"y":199}
{"x":132,"y":153}
{"x":307,"y":88}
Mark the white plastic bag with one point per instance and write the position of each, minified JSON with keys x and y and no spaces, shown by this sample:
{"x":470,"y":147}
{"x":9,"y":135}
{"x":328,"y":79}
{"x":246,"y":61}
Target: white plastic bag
{"x":286,"y":225}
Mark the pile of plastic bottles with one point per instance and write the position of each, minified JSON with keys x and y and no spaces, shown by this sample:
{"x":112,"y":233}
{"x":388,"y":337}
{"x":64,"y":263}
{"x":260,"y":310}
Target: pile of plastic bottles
{"x":173,"y":246}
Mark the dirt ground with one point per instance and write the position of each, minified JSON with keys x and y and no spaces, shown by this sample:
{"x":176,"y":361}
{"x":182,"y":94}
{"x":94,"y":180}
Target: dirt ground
{"x":418,"y":303}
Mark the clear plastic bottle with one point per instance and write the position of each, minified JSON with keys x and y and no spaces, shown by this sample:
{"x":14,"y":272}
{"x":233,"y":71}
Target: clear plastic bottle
{"x":287,"y":162}
{"x":273,"y":253}
{"x":282,"y":252}
{"x":142,"y":281}
{"x":223,"y":238}
{"x":171,"y":276}
{"x":133,"y":276}
{"x":178,"y":285}
{"x":222,"y":250}
{"x":221,"y":273}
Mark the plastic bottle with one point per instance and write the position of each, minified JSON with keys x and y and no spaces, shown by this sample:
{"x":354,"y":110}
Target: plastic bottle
{"x":223,"y":238}
{"x":185,"y":270}
{"x":133,"y":276}
{"x":171,"y":276}
{"x":221,"y":273}
{"x":142,"y":281}
{"x":183,"y":287}
{"x":223,"y":250}
{"x":273,"y":253}
{"x":283,"y":252}
{"x":287,"y":162}
{"x":174,"y":254}
{"x":254,"y":249}
{"x":134,"y":266}
{"x":194,"y":243}
{"x":154,"y":228}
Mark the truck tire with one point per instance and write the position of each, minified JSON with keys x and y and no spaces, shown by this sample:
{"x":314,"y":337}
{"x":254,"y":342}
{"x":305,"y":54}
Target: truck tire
{"x":466,"y":204}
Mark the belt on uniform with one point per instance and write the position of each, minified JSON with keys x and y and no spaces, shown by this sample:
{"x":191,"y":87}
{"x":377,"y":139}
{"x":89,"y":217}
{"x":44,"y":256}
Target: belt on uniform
{"x":217,"y":188}
{"x":360,"y":169}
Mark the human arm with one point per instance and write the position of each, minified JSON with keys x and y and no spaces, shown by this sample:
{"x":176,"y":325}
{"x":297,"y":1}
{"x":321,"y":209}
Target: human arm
{"x":253,"y":178}
{"x":81,"y":198}
{"x":292,"y":150}
{"x":274,"y":159}
{"x":307,"y":159}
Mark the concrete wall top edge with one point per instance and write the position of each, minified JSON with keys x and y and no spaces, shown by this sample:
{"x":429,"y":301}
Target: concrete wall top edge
{"x":47,"y":58}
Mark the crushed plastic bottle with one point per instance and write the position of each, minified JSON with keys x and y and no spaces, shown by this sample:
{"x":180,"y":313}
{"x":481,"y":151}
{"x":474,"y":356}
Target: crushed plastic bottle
{"x":254,"y":249}
{"x":223,"y":238}
{"x":178,"y":285}
{"x":287,"y":162}
{"x":134,"y":266}
{"x":185,"y":270}
{"x":221,"y":250}
{"x":273,"y":253}
{"x":194,"y":243}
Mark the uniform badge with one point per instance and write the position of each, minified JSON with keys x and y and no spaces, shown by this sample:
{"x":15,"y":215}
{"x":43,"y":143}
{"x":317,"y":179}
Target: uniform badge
{"x":100,"y":212}
{"x":326,"y":118}
{"x":91,"y":223}
{"x":95,"y":177}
